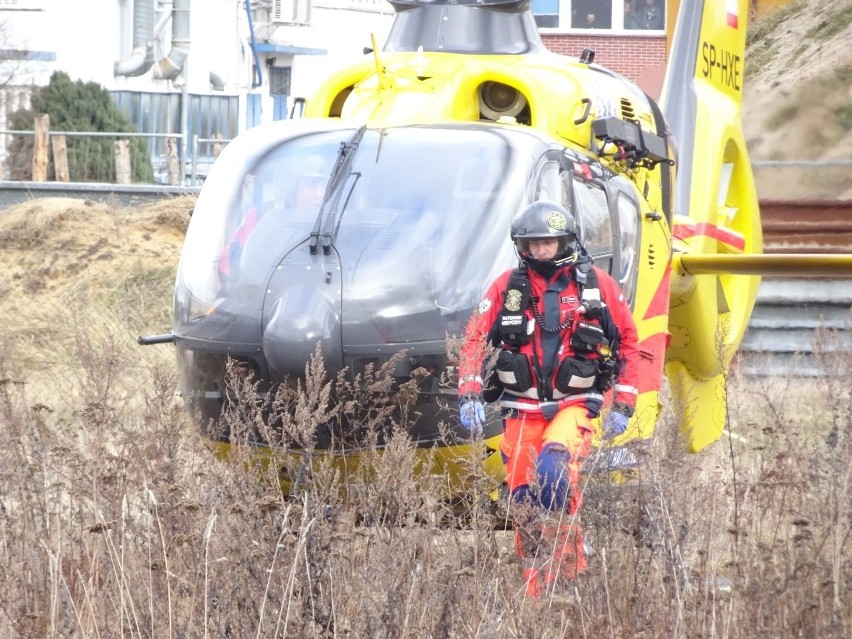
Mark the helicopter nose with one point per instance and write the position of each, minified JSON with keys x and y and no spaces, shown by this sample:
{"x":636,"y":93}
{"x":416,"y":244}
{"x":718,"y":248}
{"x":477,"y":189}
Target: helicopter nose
{"x":301,"y":319}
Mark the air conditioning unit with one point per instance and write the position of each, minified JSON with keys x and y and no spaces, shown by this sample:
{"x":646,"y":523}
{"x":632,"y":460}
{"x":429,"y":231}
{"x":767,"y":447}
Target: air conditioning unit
{"x":291,"y":11}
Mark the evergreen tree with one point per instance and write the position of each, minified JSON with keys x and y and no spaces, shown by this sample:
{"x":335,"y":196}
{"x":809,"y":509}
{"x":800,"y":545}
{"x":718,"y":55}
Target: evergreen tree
{"x":78,"y":106}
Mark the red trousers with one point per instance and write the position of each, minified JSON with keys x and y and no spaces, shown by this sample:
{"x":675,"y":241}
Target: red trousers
{"x":524,"y":437}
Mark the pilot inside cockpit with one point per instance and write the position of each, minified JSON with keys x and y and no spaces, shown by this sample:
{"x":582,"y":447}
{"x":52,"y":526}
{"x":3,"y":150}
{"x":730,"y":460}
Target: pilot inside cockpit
{"x":277,"y":186}
{"x":307,"y":184}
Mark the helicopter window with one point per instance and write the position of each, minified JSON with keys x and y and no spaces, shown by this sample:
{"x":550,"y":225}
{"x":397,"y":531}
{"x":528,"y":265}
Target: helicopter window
{"x":415,"y":203}
{"x":287,"y":184}
{"x":460,"y":186}
{"x":628,"y":239}
{"x":595,"y":222}
{"x":552,"y":185}
{"x":284,"y":188}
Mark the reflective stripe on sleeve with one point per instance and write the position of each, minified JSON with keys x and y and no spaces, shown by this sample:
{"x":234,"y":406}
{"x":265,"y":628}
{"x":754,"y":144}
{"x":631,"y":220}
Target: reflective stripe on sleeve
{"x":630,"y":390}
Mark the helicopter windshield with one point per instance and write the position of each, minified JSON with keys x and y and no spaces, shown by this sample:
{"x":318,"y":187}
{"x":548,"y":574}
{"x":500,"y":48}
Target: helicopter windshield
{"x":423,"y":233}
{"x":422,"y":224}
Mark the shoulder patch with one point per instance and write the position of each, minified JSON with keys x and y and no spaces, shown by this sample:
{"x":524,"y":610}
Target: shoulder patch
{"x":484,"y":305}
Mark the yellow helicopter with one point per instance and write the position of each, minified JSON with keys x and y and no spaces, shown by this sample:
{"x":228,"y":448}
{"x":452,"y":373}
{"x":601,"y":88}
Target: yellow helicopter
{"x":425,"y":151}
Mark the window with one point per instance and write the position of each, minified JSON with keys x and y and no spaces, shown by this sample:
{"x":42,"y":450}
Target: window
{"x":611,"y":237}
{"x":647,"y":15}
{"x":552,"y":185}
{"x":628,"y":244}
{"x":608,"y":15}
{"x":591,"y":14}
{"x":596,"y":225}
{"x":546,"y":13}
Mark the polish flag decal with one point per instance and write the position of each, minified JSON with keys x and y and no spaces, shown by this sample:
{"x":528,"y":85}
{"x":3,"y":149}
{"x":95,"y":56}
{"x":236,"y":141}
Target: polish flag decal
{"x":732,"y":9}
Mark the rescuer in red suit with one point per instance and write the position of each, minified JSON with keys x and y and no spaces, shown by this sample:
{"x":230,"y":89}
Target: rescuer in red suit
{"x":564,"y":336}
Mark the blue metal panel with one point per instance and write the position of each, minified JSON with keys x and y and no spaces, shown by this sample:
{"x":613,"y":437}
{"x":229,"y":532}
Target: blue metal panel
{"x":279,"y":107}
{"x":268,"y":47}
{"x":253,"y":110}
{"x":207,"y":115}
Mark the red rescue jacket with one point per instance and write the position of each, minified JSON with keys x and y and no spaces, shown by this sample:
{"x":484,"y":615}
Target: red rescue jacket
{"x":616,"y":324}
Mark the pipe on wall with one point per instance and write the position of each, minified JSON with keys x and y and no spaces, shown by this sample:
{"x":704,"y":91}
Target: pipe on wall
{"x":142,"y":56}
{"x":216,"y":82}
{"x":170,"y":66}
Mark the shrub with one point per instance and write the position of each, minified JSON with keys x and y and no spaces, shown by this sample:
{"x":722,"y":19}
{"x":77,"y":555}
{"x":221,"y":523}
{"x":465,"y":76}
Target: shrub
{"x":78,"y":106}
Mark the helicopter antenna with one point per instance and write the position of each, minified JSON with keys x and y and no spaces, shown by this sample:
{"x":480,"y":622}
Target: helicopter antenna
{"x":381,"y":72}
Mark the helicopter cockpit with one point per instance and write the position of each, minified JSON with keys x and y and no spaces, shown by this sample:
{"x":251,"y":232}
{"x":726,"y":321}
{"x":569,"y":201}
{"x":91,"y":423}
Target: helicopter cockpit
{"x":391,"y":258}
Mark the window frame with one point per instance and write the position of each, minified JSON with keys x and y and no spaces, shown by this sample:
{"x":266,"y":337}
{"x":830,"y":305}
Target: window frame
{"x":617,"y":17}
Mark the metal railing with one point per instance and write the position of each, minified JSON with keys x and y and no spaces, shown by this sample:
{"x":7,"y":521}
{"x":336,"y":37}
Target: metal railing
{"x":158,"y":161}
{"x":197,"y":141}
{"x":98,"y":134}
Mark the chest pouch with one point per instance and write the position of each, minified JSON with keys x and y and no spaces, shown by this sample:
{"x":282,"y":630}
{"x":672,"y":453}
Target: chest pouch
{"x":576,"y":375}
{"x":512,"y":323}
{"x":513,"y":371}
{"x":587,"y":338}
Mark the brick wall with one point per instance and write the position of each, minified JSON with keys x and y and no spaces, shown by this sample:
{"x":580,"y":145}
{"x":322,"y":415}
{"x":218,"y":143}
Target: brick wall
{"x":630,"y":56}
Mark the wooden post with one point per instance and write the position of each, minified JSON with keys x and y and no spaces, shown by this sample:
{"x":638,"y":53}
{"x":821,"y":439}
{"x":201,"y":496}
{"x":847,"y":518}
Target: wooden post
{"x":217,"y":146}
{"x":60,"y":158}
{"x":41,"y":128}
{"x":122,"y":161}
{"x":172,"y":161}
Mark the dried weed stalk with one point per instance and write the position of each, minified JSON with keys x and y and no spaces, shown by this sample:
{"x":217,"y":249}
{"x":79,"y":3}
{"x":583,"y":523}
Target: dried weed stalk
{"x":117,"y":520}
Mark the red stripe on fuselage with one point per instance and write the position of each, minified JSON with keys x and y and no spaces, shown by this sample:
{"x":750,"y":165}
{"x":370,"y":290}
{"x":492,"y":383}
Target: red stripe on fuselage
{"x":684,"y":231}
{"x":659,"y":304}
{"x":651,"y":360}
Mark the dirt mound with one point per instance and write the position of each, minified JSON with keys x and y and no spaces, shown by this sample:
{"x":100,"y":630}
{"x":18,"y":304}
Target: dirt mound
{"x":60,"y":244}
{"x":81,"y":280}
{"x":796,"y":99}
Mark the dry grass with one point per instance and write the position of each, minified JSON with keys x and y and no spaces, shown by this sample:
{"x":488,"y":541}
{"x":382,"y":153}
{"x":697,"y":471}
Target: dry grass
{"x":117,"y":520}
